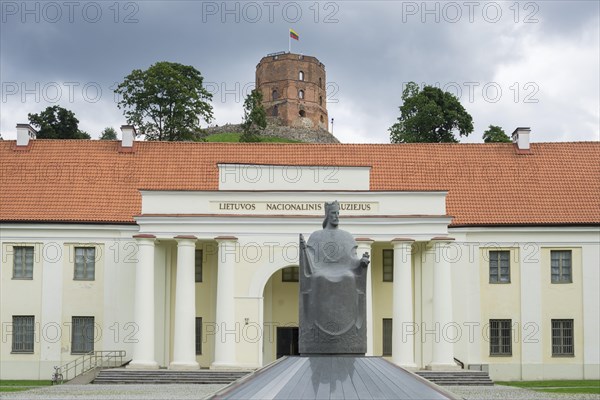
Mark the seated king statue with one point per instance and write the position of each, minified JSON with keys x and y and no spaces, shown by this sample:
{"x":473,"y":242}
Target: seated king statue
{"x":332,"y":291}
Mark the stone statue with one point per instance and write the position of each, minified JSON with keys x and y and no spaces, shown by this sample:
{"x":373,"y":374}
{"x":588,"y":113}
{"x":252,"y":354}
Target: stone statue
{"x":332,"y":291}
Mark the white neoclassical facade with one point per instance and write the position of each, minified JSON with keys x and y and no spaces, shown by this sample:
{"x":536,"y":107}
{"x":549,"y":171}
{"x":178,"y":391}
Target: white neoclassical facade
{"x":207,"y":278}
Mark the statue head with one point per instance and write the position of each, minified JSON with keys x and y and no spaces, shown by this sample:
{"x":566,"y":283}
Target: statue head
{"x":332,"y":214}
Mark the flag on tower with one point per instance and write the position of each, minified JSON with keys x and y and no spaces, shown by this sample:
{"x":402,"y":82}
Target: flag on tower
{"x":294,"y":35}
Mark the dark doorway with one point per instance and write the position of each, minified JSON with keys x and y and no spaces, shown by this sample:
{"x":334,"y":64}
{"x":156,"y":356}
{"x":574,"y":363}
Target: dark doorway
{"x":287,"y":341}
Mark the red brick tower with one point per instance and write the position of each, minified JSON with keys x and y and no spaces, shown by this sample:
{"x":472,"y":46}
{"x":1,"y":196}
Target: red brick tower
{"x":293,"y":90}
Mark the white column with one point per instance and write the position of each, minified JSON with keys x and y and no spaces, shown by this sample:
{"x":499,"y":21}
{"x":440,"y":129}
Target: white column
{"x":184,"y":339}
{"x":143,"y":349}
{"x":443,"y":349}
{"x":364,"y":246}
{"x":403,"y":328}
{"x":225,"y":313}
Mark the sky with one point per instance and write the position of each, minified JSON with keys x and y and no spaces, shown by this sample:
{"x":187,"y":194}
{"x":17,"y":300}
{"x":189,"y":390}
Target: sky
{"x":512,"y":64}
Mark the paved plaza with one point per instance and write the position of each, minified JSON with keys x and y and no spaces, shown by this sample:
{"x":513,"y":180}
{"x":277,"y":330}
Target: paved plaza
{"x":185,"y":392}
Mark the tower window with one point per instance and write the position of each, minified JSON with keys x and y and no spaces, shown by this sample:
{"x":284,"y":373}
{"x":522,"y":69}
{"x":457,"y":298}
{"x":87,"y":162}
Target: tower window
{"x":302,"y":113}
{"x":301,"y":94}
{"x":301,"y":76}
{"x":322,"y":120}
{"x":320,"y":100}
{"x":320,"y":82}
{"x":275,"y":94}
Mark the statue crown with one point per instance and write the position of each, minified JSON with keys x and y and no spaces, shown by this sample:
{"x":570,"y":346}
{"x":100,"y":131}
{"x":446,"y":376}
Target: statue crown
{"x":334,"y":205}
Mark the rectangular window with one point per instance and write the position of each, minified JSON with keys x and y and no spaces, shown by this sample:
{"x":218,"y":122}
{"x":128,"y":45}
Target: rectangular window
{"x":562,"y":338}
{"x":85,"y":263}
{"x":388,"y":265}
{"x":387,"y":336}
{"x":23,"y":262}
{"x":82,"y":335}
{"x":198,"y":265}
{"x":290,"y":274}
{"x":500,"y":266}
{"x":23,"y":333}
{"x":500,"y":337}
{"x":560,"y":264}
{"x":198,"y":335}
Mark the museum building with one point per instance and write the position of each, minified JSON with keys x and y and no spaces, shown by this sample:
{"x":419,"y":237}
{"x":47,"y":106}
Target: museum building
{"x":185,"y":255}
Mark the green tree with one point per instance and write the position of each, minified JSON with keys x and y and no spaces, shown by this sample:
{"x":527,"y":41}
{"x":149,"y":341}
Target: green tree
{"x":255,"y":117}
{"x":430,"y":116}
{"x":495,"y":134}
{"x":108,"y":133}
{"x":57,"y":123}
{"x":166,"y":102}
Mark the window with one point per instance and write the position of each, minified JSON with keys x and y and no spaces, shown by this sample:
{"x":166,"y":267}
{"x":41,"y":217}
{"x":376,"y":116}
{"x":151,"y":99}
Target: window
{"x":23,"y":262}
{"x":320,"y":100}
{"x":301,"y":75}
{"x":500,"y":337}
{"x":198,"y":335}
{"x":387,"y":336}
{"x":560,"y":263}
{"x":275,"y":111}
{"x":500,"y":266}
{"x":301,"y":94}
{"x":85,"y":263}
{"x":388,"y":265}
{"x":302,"y":113}
{"x":290,"y":274}
{"x":22,"y":335}
{"x":562,"y":338}
{"x":322,"y":119}
{"x":320,"y":82}
{"x":275,"y":94}
{"x":82,"y":335}
{"x":198,"y":265}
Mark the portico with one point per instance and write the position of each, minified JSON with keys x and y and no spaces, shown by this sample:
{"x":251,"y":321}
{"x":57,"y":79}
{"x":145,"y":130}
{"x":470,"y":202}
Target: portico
{"x":246,"y":238}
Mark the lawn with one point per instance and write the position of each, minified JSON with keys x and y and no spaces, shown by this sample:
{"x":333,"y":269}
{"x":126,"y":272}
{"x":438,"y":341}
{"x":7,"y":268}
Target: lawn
{"x":20,"y":385}
{"x":235,"y":137}
{"x":576,"y":386}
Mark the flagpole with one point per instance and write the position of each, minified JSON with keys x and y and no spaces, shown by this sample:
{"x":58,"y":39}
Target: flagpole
{"x":289,"y":42}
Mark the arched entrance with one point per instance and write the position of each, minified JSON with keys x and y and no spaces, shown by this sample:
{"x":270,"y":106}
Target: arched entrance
{"x":280,"y":313}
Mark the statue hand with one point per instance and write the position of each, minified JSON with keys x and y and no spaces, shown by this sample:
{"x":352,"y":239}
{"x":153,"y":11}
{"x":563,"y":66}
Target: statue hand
{"x":365,"y":259}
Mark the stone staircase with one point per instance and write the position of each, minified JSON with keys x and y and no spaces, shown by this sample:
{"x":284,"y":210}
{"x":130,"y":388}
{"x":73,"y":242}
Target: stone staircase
{"x":120,"y":376}
{"x":457,"y":378}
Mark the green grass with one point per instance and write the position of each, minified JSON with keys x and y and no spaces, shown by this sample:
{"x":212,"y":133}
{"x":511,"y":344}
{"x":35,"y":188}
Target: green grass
{"x":235,"y":137}
{"x":21,"y":385}
{"x":558,"y":386}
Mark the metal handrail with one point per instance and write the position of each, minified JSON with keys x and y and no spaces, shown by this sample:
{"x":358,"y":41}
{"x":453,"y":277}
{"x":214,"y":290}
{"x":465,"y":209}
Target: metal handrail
{"x":91,"y":360}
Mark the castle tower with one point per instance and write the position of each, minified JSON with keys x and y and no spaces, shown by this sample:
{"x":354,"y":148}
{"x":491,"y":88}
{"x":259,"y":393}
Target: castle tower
{"x":293,"y":90}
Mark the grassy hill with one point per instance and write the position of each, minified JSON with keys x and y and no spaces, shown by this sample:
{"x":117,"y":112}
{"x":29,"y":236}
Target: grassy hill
{"x":235,"y":137}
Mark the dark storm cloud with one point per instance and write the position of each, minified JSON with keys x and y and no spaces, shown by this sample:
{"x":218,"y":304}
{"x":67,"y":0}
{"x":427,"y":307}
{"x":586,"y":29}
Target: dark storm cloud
{"x":370,"y":49}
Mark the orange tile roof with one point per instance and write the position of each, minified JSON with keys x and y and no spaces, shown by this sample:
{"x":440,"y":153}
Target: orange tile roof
{"x":487,"y":184}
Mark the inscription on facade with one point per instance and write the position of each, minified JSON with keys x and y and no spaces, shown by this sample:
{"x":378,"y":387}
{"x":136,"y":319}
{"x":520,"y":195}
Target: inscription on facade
{"x":302,"y":207}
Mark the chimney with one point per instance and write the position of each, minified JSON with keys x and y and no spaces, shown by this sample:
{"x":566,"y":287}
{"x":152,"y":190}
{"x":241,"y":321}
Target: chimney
{"x":520,"y":137}
{"x":127,"y":136}
{"x":25,"y":133}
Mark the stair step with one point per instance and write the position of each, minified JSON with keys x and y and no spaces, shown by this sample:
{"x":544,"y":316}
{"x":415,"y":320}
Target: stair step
{"x":455,"y":378}
{"x":163,"y":376}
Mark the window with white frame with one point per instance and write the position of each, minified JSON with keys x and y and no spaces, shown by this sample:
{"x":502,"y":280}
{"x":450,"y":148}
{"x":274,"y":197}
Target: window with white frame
{"x":500,"y":266}
{"x":85,"y":263}
{"x":82,"y":335}
{"x":198,"y":265}
{"x":387,"y":337}
{"x":560,"y":265}
{"x":562,"y":338}
{"x":500,"y":337}
{"x":290,"y":274}
{"x":388,"y":265}
{"x":23,"y":330}
{"x":23,"y":262}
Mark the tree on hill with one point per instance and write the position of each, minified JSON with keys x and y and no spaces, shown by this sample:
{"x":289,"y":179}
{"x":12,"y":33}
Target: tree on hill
{"x":166,"y":102}
{"x":430,"y":116}
{"x":57,"y":123}
{"x":108,"y":133}
{"x":255,"y":117}
{"x":495,"y":134}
